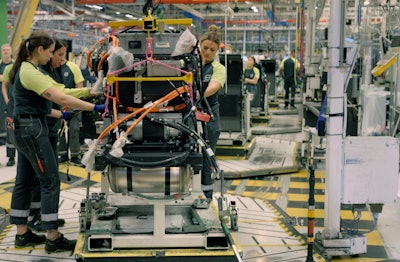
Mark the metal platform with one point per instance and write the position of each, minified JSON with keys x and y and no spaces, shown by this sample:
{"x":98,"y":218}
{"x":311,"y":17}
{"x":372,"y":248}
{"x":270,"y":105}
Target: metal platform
{"x":264,"y":153}
{"x":259,"y":234}
{"x":269,"y":156}
{"x":280,"y":123}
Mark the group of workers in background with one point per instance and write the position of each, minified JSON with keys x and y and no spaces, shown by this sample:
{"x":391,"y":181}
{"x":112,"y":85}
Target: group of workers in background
{"x":288,"y":70}
{"x":6,"y":102}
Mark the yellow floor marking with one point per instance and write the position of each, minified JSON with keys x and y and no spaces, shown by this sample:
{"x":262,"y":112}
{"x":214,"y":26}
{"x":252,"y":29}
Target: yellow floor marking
{"x":305,"y":174}
{"x":5,"y":200}
{"x":356,"y":259}
{"x":306,"y":185}
{"x":5,"y":195}
{"x":236,"y":182}
{"x":231,"y":157}
{"x":262,"y":183}
{"x":5,"y":232}
{"x":319,"y":213}
{"x":301,"y":173}
{"x":374,"y":238}
{"x":304,"y":197}
{"x":74,"y":170}
{"x":272,"y":245}
{"x":260,"y":195}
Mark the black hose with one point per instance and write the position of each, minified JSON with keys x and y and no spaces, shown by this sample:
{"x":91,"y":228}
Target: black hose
{"x":172,"y":161}
{"x":231,"y":242}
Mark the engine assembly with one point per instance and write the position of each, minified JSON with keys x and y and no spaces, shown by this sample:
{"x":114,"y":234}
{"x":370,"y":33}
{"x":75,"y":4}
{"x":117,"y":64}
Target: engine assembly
{"x":150,"y":150}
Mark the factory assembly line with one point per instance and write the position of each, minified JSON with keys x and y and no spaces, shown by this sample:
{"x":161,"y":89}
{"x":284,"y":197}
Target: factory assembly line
{"x":147,"y":203}
{"x":151,"y":151}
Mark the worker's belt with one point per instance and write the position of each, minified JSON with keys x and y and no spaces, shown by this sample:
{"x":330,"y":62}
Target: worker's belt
{"x":30,"y":116}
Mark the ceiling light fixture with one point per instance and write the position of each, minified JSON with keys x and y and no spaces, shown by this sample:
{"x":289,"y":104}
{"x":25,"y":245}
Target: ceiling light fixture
{"x":96,"y":7}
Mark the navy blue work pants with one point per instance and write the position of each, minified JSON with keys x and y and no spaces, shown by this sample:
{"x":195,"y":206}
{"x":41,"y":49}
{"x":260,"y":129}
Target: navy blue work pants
{"x":290,"y":91}
{"x":211,"y":135}
{"x":36,"y":165}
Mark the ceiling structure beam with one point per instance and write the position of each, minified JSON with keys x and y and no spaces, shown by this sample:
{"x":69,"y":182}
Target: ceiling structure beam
{"x":65,"y":11}
{"x":243,"y":18}
{"x":83,"y":2}
{"x":87,"y":13}
{"x":190,"y":10}
{"x":121,"y":9}
{"x":54,"y":17}
{"x":263,"y":28}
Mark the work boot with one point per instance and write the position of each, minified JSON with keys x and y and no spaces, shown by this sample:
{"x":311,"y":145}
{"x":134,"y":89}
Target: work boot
{"x":29,"y":239}
{"x":11,"y":161}
{"x":76,"y":161}
{"x":36,"y":224}
{"x":59,"y":245}
{"x":208,"y":194}
{"x":62,"y":159}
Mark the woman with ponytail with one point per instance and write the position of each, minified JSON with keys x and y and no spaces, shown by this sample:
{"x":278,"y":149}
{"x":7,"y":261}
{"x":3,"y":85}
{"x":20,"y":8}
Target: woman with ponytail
{"x":34,"y":93}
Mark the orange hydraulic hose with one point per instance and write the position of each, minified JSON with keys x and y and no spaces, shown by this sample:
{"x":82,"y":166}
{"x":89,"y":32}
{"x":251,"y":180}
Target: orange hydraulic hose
{"x":91,"y":49}
{"x":102,"y":59}
{"x":115,"y":108}
{"x":117,"y":90}
{"x":114,"y":41}
{"x":89,"y":59}
{"x":119,"y":121}
{"x":161,"y":109}
{"x":169,"y":96}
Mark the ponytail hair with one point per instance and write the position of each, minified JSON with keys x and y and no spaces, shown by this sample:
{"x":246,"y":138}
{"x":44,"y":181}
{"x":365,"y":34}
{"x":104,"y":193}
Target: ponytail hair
{"x":212,"y":35}
{"x":26,"y":49}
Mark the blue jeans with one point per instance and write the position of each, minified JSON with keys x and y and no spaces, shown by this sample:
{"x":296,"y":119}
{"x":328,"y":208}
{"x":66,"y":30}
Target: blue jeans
{"x":36,"y":167}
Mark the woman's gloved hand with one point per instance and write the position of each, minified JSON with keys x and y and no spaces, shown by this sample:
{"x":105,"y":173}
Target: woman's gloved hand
{"x":67,"y":115}
{"x":99,"y":108}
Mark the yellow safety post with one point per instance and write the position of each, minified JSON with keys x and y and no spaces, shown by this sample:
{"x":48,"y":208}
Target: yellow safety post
{"x":23,"y":23}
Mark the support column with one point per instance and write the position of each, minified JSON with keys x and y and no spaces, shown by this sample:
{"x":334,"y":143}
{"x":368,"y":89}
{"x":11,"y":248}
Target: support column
{"x":23,"y":23}
{"x":335,"y":120}
{"x":3,"y":23}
